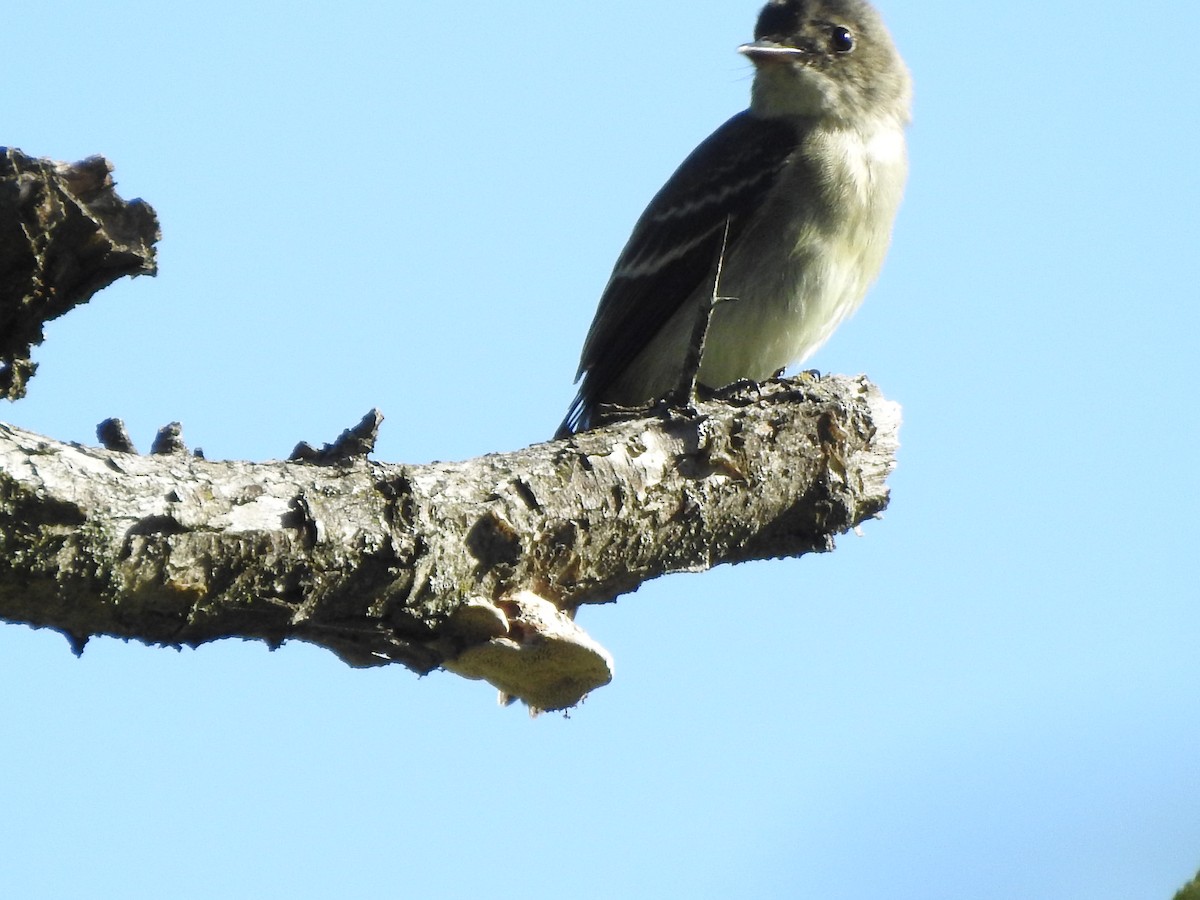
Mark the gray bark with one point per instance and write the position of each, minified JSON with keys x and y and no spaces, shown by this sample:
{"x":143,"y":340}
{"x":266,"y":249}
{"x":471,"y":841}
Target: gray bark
{"x":64,"y":235}
{"x":466,"y":566}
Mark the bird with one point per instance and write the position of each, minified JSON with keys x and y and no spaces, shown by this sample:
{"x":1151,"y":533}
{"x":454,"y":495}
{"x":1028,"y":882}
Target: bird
{"x":791,"y":203}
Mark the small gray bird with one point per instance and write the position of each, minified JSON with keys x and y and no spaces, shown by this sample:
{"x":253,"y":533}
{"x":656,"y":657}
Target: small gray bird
{"x":793,"y":199}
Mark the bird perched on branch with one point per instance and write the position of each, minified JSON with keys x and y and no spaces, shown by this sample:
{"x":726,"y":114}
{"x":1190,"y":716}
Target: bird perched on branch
{"x":790,"y":202}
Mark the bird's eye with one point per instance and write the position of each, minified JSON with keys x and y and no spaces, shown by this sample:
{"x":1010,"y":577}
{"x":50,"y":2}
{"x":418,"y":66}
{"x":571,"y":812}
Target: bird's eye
{"x":841,"y":40}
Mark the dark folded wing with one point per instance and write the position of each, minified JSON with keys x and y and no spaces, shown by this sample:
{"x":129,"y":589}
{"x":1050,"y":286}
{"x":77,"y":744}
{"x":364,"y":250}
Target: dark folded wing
{"x":675,"y":245}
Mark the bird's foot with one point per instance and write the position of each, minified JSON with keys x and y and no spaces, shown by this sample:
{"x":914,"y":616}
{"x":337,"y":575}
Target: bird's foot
{"x":611,"y":413}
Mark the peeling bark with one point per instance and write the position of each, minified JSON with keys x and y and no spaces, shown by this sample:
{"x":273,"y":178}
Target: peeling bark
{"x":64,"y":235}
{"x":473,"y":566}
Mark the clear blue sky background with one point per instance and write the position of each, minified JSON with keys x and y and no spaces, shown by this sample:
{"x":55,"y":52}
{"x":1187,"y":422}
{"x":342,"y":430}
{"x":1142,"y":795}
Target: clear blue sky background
{"x":992,"y":693}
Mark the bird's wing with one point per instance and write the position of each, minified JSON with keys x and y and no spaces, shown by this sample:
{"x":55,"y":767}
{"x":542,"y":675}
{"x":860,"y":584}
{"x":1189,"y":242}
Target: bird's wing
{"x":675,"y":244}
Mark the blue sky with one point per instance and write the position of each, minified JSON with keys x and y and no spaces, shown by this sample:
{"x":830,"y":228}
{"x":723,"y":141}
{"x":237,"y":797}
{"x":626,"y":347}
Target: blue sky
{"x":991,"y":693}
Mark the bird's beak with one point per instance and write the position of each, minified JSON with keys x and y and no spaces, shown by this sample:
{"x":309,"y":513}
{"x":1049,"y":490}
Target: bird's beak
{"x":768,"y":51}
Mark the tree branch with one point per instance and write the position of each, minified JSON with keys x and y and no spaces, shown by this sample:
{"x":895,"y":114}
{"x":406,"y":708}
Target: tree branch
{"x":462,"y":565}
{"x":64,"y":234}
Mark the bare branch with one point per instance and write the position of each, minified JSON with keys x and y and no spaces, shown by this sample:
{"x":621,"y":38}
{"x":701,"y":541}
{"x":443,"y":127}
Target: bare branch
{"x":64,"y":234}
{"x":472,"y":566}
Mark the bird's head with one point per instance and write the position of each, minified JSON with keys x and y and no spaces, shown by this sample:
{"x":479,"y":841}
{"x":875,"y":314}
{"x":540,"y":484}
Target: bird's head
{"x":828,"y":59}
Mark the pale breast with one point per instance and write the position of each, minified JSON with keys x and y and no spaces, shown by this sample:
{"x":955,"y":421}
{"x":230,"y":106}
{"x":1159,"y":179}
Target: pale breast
{"x":820,"y":246}
{"x":798,"y":272}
